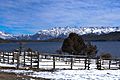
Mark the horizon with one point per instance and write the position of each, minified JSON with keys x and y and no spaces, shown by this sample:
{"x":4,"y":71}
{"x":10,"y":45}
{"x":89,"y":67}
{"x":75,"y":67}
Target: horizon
{"x":30,"y":16}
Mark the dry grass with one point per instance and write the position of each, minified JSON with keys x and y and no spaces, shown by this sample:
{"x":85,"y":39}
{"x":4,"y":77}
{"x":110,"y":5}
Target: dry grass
{"x":13,"y":76}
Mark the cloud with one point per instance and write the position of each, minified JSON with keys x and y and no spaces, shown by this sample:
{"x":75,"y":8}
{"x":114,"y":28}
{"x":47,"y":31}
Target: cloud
{"x":32,"y":15}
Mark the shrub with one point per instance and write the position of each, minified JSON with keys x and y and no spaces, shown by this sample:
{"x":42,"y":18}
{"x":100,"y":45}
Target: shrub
{"x":106,"y":56}
{"x":91,"y":50}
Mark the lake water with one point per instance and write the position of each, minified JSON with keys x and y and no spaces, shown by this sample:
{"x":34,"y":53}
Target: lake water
{"x":112,"y":47}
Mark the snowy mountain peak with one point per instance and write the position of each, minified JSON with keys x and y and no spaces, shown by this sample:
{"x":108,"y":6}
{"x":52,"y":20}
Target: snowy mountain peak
{"x":55,"y":32}
{"x":60,"y":32}
{"x":5,"y":35}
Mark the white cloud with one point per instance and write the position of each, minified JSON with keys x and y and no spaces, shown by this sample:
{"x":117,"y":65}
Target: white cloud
{"x":27,"y":14}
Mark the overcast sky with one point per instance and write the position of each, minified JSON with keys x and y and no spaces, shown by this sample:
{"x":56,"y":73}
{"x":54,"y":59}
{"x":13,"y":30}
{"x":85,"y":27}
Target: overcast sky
{"x":30,"y":16}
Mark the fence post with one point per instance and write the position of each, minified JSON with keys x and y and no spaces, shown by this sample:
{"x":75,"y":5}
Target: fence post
{"x":0,"y":56}
{"x":79,"y":60}
{"x":13,"y":58}
{"x":8,"y":58}
{"x":24,"y":59}
{"x":71,"y":63}
{"x":38,"y":59}
{"x":98,"y":64}
{"x":45,"y":56}
{"x":31,"y":59}
{"x":85,"y":63}
{"x":3,"y":58}
{"x":59,"y":58}
{"x":53,"y":62}
{"x":88,"y":64}
{"x":109,"y":63}
{"x":119,"y":63}
{"x":18,"y":61}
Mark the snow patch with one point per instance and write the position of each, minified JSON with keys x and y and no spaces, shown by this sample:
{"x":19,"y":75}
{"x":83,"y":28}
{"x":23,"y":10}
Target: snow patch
{"x":80,"y":75}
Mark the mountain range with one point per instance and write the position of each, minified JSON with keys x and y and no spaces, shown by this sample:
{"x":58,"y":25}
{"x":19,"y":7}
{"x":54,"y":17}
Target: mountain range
{"x":63,"y":32}
{"x":4,"y":35}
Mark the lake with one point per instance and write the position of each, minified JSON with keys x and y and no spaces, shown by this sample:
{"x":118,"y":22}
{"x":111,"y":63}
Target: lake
{"x":112,"y":47}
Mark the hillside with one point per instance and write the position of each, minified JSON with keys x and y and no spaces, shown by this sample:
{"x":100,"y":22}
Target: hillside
{"x":113,"y":36}
{"x":3,"y":41}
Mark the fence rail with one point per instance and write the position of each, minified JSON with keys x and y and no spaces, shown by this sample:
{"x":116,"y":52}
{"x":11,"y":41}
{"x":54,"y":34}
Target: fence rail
{"x":34,"y":59}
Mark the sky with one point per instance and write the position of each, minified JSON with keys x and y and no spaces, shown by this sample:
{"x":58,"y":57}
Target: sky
{"x":30,"y":16}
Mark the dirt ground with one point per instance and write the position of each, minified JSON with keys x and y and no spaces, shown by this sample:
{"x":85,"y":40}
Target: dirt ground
{"x":12,"y":76}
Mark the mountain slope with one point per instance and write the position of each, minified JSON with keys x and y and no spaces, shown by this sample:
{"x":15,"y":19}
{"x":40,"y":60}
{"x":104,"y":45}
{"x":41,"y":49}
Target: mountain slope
{"x":60,"y":32}
{"x":5,"y":35}
{"x":63,"y":32}
{"x":112,"y":36}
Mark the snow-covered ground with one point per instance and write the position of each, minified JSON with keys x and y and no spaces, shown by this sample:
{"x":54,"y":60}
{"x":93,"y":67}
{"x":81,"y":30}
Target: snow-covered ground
{"x":80,"y":75}
{"x":91,"y":74}
{"x":71,"y":74}
{"x":7,"y":65}
{"x":77,"y":74}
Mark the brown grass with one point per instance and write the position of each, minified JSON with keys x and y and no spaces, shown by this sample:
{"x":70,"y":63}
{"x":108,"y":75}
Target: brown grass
{"x":13,"y":76}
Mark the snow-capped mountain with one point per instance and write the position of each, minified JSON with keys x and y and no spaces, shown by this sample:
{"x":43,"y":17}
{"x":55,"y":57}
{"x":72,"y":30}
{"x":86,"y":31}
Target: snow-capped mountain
{"x":61,"y":32}
{"x":5,"y":35}
{"x":64,"y":31}
{"x":82,"y":30}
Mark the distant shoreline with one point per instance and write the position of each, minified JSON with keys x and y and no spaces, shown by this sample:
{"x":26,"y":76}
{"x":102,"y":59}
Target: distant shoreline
{"x":59,"y":40}
{"x":17,"y":41}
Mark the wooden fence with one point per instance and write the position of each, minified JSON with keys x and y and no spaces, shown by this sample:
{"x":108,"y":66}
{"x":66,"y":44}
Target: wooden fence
{"x":34,"y":59}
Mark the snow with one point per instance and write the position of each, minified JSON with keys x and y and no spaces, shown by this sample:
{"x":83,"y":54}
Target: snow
{"x":80,"y":30}
{"x":77,"y":74}
{"x":16,"y":71}
{"x":71,"y":74}
{"x":7,"y":65}
{"x":63,"y":32}
{"x":80,"y":75}
{"x":60,"y":74}
{"x":5,"y":35}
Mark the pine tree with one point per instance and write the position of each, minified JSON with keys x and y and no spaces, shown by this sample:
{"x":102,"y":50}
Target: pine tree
{"x":75,"y":45}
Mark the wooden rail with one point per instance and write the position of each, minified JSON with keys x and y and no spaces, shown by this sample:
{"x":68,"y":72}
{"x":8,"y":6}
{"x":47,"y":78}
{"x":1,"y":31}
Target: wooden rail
{"x":34,"y":59}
